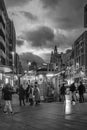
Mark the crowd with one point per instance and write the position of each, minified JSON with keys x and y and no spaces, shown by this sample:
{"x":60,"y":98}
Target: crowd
{"x":76,"y":92}
{"x":29,"y":94}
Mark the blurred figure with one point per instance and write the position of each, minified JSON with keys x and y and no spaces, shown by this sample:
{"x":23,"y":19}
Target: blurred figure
{"x":81,"y":89}
{"x":37,"y":93}
{"x":31,"y":96}
{"x":7,"y":96}
{"x":21,"y":93}
{"x":73,"y":92}
{"x":27,"y":92}
{"x":62,"y":92}
{"x":68,"y":100}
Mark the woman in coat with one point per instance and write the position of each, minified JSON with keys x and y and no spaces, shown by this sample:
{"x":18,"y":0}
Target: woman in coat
{"x":37,"y":93}
{"x":21,"y":95}
{"x":7,"y":96}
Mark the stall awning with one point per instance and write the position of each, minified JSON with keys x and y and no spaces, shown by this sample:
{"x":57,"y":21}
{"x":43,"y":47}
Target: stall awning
{"x":5,"y":69}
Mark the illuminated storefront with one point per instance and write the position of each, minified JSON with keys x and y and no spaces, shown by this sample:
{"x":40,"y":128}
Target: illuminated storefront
{"x":3,"y":77}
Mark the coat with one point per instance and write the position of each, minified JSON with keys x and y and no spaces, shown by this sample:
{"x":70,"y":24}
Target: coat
{"x":7,"y":92}
{"x":21,"y":92}
{"x":81,"y":89}
{"x":37,"y":94}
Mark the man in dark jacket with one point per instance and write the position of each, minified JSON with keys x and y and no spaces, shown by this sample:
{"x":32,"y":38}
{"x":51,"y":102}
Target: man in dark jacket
{"x":62,"y":92}
{"x":81,"y":89}
{"x":73,"y":92}
{"x":7,"y":96}
{"x":21,"y":92}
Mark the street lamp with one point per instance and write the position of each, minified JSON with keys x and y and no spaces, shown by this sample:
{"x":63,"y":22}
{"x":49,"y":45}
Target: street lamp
{"x":29,"y":63}
{"x":13,"y":54}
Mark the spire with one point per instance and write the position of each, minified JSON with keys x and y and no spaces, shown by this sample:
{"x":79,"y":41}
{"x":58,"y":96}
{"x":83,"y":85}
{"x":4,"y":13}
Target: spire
{"x":55,"y":50}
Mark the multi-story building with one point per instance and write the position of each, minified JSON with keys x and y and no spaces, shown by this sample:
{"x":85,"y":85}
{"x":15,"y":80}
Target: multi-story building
{"x":80,"y":51}
{"x":85,"y":16}
{"x":7,"y":37}
{"x":2,"y":38}
{"x":18,"y":65}
{"x":67,"y":57}
{"x":56,"y":60}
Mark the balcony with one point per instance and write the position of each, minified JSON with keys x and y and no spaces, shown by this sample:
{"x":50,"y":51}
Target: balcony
{"x":2,"y":53}
{"x":2,"y":15}
{"x":1,"y":27}
{"x":2,"y":41}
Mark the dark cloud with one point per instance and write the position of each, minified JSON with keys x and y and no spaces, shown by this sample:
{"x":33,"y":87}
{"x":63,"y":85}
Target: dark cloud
{"x":29,"y":16}
{"x":44,"y":37}
{"x":67,"y":14}
{"x":20,"y":42}
{"x":12,"y":3}
{"x":69,"y":23}
{"x":50,"y":3}
{"x":40,"y":37}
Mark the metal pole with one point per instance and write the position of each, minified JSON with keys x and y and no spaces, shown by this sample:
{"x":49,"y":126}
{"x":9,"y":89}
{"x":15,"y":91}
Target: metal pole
{"x":13,"y":67}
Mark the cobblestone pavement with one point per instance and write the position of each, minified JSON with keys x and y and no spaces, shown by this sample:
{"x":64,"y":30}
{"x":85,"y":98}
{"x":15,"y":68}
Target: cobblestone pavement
{"x":46,"y":116}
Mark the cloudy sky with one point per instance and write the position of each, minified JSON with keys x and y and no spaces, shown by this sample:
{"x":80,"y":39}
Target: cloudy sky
{"x":42,"y":24}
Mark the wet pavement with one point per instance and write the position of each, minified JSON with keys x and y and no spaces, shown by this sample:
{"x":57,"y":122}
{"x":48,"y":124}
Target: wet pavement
{"x":46,"y":116}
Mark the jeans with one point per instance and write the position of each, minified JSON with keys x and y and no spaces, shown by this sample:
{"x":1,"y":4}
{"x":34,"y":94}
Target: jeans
{"x":8,"y":106}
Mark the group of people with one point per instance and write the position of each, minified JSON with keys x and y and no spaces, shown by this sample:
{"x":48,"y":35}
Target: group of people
{"x":77,"y":92}
{"x":31,"y":94}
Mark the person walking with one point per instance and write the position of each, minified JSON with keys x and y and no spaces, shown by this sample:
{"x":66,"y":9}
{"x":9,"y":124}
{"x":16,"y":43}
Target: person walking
{"x":7,"y":96}
{"x":31,"y":96}
{"x":73,"y":93}
{"x":27,"y":92}
{"x":21,"y":92}
{"x":37,"y":93}
{"x":81,"y":89}
{"x":62,"y":92}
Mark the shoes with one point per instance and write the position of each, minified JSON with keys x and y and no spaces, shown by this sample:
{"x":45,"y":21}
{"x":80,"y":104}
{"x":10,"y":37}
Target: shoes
{"x":12,"y":113}
{"x":5,"y":112}
{"x":73,"y":103}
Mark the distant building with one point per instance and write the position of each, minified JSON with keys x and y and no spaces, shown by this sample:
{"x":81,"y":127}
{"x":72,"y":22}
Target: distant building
{"x":80,"y":51}
{"x":12,"y":41}
{"x":18,"y":65}
{"x":55,"y":60}
{"x":85,"y":16}
{"x":67,"y":57}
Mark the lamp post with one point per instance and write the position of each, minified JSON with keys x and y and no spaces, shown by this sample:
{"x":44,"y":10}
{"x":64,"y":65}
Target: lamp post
{"x":13,"y":54}
{"x":29,"y":63}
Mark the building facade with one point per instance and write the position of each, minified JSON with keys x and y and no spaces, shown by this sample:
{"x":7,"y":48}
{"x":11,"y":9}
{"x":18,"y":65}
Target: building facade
{"x":55,"y":60}
{"x":7,"y":37}
{"x":85,"y":16}
{"x":2,"y":38}
{"x":80,"y":52}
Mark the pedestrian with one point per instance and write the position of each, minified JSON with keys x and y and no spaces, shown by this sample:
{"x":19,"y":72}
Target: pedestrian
{"x":62,"y":92}
{"x":21,"y":93}
{"x":81,"y":89}
{"x":68,"y":100}
{"x":31,"y":96}
{"x":73,"y":92}
{"x":7,"y":96}
{"x":37,"y":93}
{"x":27,"y":92}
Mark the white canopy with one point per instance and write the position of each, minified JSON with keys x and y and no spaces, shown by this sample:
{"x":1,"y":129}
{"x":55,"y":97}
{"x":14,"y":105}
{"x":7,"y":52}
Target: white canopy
{"x":5,"y":69}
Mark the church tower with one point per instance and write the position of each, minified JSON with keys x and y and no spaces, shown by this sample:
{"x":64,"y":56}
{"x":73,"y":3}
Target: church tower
{"x":55,"y":50}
